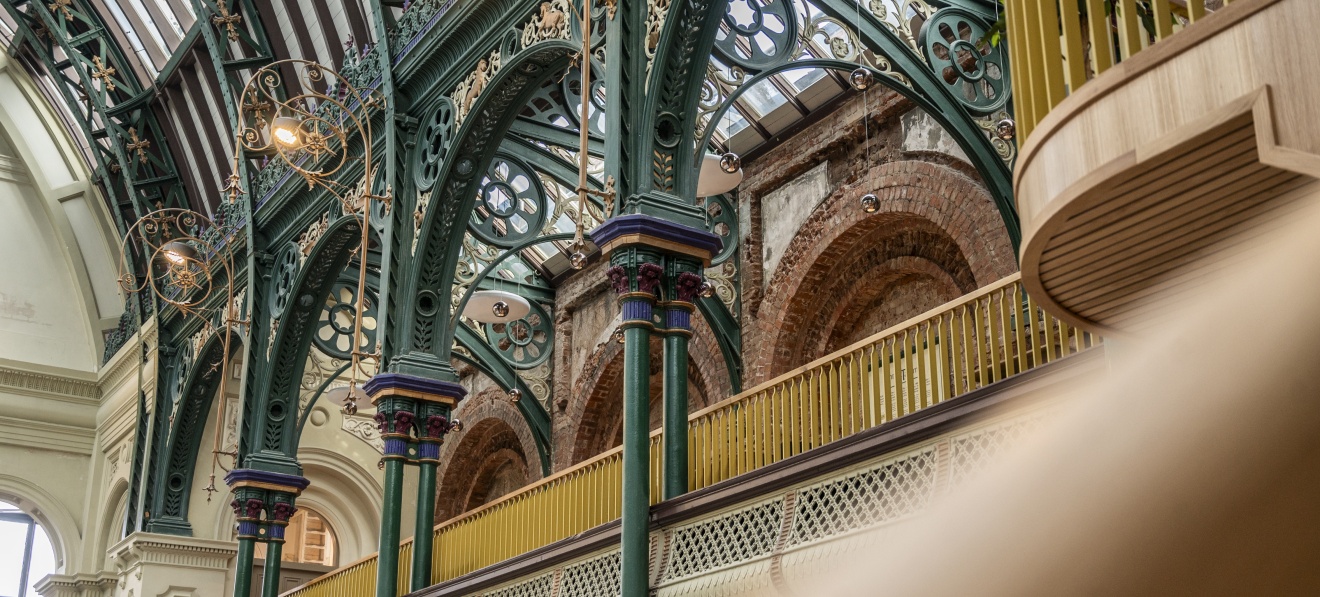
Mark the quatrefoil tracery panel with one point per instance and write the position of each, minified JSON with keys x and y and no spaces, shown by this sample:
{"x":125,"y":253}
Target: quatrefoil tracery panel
{"x":510,"y":204}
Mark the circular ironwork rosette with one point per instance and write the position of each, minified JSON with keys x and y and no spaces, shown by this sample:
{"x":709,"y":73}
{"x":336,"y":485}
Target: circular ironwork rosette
{"x":510,"y":205}
{"x":283,"y":275}
{"x":432,"y":145}
{"x":757,"y":34}
{"x":964,"y":60}
{"x":334,"y":329}
{"x":523,"y":343}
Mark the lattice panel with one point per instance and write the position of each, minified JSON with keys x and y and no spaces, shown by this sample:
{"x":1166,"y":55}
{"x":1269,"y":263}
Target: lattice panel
{"x":894,"y":489}
{"x":972,"y":452}
{"x":541,"y":586}
{"x":597,"y":577}
{"x":726,"y":539}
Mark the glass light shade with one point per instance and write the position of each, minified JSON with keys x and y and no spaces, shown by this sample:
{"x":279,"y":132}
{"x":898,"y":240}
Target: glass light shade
{"x":284,"y":129}
{"x":481,"y":306}
{"x":715,"y":179}
{"x":178,"y":252}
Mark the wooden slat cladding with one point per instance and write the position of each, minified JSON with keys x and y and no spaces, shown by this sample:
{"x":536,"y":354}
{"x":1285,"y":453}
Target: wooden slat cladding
{"x":1160,"y":170}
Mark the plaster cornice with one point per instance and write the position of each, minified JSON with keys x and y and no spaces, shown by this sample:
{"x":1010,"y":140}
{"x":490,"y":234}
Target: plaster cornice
{"x":49,"y":436}
{"x":150,"y":548}
{"x":75,"y":387}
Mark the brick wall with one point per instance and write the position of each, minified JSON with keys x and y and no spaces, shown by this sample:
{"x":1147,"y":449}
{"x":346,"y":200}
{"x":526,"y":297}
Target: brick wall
{"x":845,"y":274}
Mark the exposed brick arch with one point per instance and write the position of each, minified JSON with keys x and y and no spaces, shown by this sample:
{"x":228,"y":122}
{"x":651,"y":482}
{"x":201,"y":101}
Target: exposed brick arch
{"x":493,"y":454}
{"x":597,"y":406}
{"x":927,"y":212}
{"x":897,"y":290}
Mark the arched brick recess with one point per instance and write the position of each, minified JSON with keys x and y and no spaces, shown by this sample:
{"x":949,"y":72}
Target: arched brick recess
{"x":494,"y":437}
{"x":597,"y":407}
{"x":902,"y":288}
{"x":585,"y":320}
{"x":927,"y":211}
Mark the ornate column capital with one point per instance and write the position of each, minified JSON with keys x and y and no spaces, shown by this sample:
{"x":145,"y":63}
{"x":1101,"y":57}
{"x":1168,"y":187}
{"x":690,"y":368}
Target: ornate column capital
{"x":407,"y":404}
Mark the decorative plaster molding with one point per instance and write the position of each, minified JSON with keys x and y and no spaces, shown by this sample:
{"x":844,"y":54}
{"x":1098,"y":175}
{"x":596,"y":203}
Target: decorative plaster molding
{"x":139,"y":549}
{"x":76,"y":585}
{"x":27,"y":433}
{"x":13,"y":170}
{"x":48,"y":385}
{"x":364,"y":428}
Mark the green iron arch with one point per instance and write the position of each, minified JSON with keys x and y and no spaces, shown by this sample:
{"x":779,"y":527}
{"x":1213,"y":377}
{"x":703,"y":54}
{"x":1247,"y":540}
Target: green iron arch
{"x":194,"y":397}
{"x":270,"y":425}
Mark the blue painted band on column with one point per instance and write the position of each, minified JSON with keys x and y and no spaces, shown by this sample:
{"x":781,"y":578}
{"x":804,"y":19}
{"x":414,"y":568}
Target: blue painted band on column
{"x":678,"y":319}
{"x":429,"y":450}
{"x":248,"y":528}
{"x":634,"y":309}
{"x":275,"y":532}
{"x":395,"y":446}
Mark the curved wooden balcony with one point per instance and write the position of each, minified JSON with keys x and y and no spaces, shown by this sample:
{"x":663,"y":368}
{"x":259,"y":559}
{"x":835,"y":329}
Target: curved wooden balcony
{"x":1134,"y":183}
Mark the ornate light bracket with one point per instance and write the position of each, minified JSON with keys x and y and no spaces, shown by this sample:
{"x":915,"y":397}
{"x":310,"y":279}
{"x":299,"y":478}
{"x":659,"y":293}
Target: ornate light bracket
{"x":189,"y":270}
{"x":309,"y":122}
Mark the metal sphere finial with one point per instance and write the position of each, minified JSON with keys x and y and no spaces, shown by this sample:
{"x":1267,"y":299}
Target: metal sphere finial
{"x":870,"y":203}
{"x":500,"y":309}
{"x":707,"y":289}
{"x":1006,"y":129}
{"x":515,"y":395}
{"x":578,"y":260}
{"x":730,"y":162}
{"x":861,"y":79}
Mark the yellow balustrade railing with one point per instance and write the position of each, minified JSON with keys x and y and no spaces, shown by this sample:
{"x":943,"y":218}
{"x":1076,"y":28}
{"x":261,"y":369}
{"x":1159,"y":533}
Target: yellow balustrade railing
{"x":557,"y":507}
{"x":1056,"y":46}
{"x":984,"y":337}
{"x":958,"y":347}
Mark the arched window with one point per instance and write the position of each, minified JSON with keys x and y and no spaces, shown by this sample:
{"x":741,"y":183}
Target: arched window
{"x":26,"y":555}
{"x":307,"y":540}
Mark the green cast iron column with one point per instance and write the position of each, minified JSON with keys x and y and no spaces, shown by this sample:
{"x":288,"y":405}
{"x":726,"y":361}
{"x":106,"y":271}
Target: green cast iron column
{"x":243,"y":569}
{"x":636,"y":457}
{"x":683,"y":282}
{"x":270,"y":581}
{"x":424,"y":533}
{"x":677,"y":317}
{"x":387,"y":570}
{"x":636,"y":276}
{"x":395,"y":417}
{"x":432,"y":426}
{"x":248,"y":504}
{"x":278,"y":512}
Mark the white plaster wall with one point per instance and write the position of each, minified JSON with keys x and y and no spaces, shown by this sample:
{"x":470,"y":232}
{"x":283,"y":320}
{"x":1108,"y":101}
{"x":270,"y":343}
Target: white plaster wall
{"x":41,"y":318}
{"x":784,"y":209}
{"x":58,"y":287}
{"x":921,"y":133}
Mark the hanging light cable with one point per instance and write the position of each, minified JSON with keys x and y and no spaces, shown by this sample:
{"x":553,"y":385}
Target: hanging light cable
{"x":861,"y":80}
{"x":578,"y":250}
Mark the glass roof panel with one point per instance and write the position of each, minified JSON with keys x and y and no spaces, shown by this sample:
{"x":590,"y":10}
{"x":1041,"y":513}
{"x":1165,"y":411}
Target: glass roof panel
{"x":763,"y":97}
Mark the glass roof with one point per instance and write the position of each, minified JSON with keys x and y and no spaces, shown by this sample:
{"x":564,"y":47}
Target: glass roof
{"x":777,"y":106}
